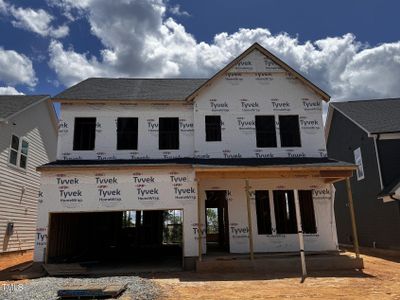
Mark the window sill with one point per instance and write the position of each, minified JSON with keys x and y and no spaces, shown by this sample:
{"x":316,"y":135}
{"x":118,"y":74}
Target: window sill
{"x":15,"y":168}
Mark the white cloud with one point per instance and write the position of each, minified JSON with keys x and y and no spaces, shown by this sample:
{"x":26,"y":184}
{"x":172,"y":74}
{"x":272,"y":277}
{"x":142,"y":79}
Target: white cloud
{"x":16,"y":68}
{"x":140,"y":41}
{"x":34,"y":20}
{"x":9,"y":90}
{"x":176,"y":10}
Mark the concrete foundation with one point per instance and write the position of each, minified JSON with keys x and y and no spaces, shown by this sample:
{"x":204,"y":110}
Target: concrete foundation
{"x":278,"y":263}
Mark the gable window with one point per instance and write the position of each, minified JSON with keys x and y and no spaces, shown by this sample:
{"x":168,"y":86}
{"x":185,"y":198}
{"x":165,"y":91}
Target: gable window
{"x":213,"y":128}
{"x":84,"y":133}
{"x":307,"y":211}
{"x":265,"y":131}
{"x":289,"y":131}
{"x":18,"y":152}
{"x":168,"y":138}
{"x":285,"y":212}
{"x":263,"y":212}
{"x":127,"y":133}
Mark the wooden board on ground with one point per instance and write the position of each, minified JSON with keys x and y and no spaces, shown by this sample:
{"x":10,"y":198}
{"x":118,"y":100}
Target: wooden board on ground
{"x":64,"y":269}
{"x":92,"y":291}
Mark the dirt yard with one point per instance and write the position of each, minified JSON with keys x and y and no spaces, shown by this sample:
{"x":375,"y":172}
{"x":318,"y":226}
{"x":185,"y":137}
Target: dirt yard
{"x":379,"y":280}
{"x":9,"y":260}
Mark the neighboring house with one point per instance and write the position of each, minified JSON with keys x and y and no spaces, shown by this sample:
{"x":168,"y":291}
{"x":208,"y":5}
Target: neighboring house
{"x":148,"y":168}
{"x":367,"y":133}
{"x":28,"y":127}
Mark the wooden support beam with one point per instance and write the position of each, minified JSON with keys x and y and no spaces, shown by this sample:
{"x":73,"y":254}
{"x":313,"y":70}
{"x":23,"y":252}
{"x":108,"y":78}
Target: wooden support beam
{"x":300,"y":234}
{"x":199,"y":233}
{"x":257,"y":173}
{"x":251,"y":248}
{"x":353,"y":218}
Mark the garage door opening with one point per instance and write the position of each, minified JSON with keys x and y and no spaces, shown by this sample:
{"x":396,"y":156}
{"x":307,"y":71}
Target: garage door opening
{"x":130,"y":237}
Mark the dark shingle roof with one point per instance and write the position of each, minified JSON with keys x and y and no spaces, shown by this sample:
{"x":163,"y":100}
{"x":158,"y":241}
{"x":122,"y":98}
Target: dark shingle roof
{"x":375,"y":116}
{"x":11,"y":104}
{"x":131,"y":89}
{"x":217,"y":162}
{"x":391,"y":189}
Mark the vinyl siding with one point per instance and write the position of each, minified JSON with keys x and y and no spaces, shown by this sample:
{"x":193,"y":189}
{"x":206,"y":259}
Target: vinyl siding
{"x":376,"y":221}
{"x":17,"y":206}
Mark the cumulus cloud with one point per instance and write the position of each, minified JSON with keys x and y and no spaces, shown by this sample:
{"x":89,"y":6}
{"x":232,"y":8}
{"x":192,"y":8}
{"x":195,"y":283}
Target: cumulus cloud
{"x":9,"y":90}
{"x":176,"y":10}
{"x":16,"y":68}
{"x":139,"y":40}
{"x":34,"y":20}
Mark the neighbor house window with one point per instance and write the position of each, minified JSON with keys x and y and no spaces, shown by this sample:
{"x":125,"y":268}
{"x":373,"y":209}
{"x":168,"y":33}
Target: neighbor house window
{"x":263,"y":212}
{"x":18,"y":152}
{"x":84,"y":133}
{"x":307,"y":211}
{"x":360,"y":167}
{"x":265,"y":131}
{"x":213,"y":128}
{"x":285,"y":212}
{"x":168,"y":133}
{"x":127,"y":133}
{"x":289,"y":131}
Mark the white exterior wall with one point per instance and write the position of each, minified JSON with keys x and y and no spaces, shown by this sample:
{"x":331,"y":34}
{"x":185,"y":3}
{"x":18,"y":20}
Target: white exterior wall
{"x":118,"y":191}
{"x":19,"y":188}
{"x":257,"y":87}
{"x":323,"y":196}
{"x":106,"y":131}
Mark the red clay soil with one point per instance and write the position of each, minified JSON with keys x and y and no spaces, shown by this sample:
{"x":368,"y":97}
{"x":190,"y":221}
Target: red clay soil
{"x":379,"y":280}
{"x":14,"y":259}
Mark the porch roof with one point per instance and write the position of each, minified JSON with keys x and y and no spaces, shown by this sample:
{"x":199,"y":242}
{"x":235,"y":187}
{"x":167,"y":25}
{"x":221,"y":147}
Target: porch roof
{"x":323,"y":167}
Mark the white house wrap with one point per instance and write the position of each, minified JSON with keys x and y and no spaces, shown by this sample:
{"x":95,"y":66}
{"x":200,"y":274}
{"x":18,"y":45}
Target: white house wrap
{"x":200,"y":169}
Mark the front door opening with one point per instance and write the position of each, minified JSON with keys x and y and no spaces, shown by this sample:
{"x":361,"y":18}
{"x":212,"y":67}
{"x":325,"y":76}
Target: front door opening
{"x":217,"y":221}
{"x":135,"y":237}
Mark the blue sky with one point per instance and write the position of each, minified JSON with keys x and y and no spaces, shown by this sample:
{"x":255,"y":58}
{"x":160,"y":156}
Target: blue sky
{"x":349,"y":48}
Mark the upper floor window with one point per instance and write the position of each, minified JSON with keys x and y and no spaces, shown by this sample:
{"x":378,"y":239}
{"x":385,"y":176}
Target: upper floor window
{"x":84,"y":133}
{"x":265,"y":131}
{"x":289,"y":131}
{"x":213,"y":128}
{"x":168,"y":138}
{"x":127,"y":133}
{"x":18,"y":152}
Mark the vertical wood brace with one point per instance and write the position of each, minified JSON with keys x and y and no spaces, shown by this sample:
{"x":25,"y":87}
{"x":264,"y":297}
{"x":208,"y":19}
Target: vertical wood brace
{"x":300,"y":234}
{"x":353,"y":218}
{"x":199,"y":227}
{"x":251,"y":248}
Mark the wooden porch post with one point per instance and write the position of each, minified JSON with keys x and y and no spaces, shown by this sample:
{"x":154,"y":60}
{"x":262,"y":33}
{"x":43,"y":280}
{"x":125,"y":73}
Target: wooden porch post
{"x":300,"y":234}
{"x":249,"y":221}
{"x":199,"y":233}
{"x":353,"y":218}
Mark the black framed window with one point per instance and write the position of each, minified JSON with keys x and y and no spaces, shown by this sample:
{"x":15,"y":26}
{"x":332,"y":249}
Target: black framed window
{"x":265,"y":131}
{"x":84,"y":133}
{"x":168,"y":138}
{"x":263,"y":212}
{"x":285,"y":212}
{"x":127,"y":133}
{"x":307,"y":211}
{"x":213,"y":128}
{"x":289,"y":131}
